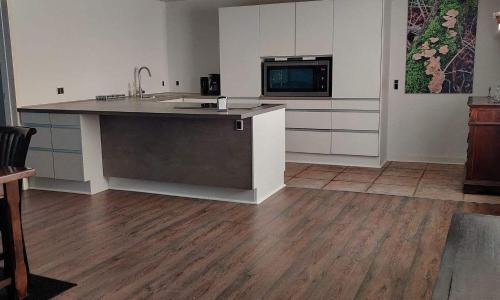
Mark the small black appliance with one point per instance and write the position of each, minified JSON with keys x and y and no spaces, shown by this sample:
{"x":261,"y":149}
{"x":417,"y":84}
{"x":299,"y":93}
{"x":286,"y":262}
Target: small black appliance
{"x":214,"y":84}
{"x":204,"y":86}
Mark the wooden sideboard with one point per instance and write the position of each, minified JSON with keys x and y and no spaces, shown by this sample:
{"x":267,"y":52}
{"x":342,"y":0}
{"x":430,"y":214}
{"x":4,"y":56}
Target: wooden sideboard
{"x":483,"y":154}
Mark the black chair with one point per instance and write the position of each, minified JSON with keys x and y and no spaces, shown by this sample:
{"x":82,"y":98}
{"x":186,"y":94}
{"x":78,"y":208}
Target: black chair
{"x":14,"y":144}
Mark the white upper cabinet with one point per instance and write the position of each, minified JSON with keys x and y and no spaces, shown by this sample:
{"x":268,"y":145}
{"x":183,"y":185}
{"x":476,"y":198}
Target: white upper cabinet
{"x":239,"y":51}
{"x":277,"y":29}
{"x":357,"y":48}
{"x":314,"y":28}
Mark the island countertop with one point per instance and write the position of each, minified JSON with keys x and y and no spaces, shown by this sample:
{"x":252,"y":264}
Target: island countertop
{"x":158,"y":106}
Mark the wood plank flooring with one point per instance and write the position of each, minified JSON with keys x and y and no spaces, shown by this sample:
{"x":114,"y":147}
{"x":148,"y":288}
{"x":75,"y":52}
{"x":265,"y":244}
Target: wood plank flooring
{"x":300,"y":244}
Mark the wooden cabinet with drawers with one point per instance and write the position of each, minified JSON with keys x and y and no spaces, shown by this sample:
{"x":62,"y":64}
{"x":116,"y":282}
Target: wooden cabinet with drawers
{"x":483,"y":155}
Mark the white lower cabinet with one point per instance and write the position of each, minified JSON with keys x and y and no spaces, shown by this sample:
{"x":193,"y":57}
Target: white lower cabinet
{"x":68,"y":166}
{"x":308,"y":119}
{"x":42,"y":138}
{"x":356,"y":120}
{"x":56,"y":149}
{"x":355,"y":143}
{"x":65,"y":120}
{"x":303,"y":141}
{"x":42,"y":161}
{"x":359,"y":104}
{"x":67,"y":139}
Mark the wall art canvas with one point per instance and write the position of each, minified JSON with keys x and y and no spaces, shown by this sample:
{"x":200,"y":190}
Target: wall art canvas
{"x":441,"y":39}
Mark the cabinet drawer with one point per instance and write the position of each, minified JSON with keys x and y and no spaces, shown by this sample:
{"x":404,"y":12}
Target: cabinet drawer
{"x":356,"y":104}
{"x":35,"y":118}
{"x":355,"y":143}
{"x":306,"y":119}
{"x":308,"y":141}
{"x":66,"y":139}
{"x":485,"y":116}
{"x":42,"y":138}
{"x":355,"y":120}
{"x":301,"y":104}
{"x":65,"y":120}
{"x":42,"y":161}
{"x":68,"y":166}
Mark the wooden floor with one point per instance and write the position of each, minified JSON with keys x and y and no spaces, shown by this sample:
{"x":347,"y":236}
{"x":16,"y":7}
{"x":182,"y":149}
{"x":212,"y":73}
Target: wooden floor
{"x":300,"y":244}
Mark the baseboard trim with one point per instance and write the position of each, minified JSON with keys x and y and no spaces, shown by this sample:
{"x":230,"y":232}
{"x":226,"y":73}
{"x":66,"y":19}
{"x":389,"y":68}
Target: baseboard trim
{"x":187,"y":190}
{"x":428,"y":159}
{"x":328,"y":159}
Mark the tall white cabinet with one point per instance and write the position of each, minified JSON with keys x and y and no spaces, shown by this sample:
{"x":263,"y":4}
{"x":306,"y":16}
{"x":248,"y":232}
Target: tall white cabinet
{"x":344,"y":129}
{"x":277,"y":29}
{"x":313,"y":28}
{"x":239,"y":51}
{"x":357,"y":48}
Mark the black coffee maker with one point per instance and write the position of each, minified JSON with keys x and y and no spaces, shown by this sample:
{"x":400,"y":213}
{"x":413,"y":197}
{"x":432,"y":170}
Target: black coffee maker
{"x":210,"y":86}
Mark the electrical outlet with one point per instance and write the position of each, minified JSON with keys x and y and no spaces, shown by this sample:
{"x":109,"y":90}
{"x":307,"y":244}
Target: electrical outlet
{"x":177,"y":83}
{"x":163,"y":83}
{"x":60,"y":91}
{"x":396,"y":84}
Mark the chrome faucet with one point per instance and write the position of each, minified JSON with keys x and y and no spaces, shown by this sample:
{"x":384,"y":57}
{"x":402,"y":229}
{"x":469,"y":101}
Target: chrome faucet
{"x":138,"y":76}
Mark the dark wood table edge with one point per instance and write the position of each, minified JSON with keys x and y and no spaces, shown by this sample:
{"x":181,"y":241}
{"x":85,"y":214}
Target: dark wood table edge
{"x":10,"y":178}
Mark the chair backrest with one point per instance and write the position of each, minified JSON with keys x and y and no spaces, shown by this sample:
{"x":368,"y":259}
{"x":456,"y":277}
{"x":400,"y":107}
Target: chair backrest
{"x":14,"y":143}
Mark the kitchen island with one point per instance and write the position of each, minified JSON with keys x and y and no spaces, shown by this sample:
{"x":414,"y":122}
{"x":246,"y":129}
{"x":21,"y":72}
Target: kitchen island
{"x":158,"y":145}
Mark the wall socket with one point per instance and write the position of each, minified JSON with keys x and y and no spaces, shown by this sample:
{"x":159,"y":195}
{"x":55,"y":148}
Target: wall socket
{"x":396,"y":84}
{"x":177,"y":83}
{"x":60,"y":91}
{"x":163,"y":83}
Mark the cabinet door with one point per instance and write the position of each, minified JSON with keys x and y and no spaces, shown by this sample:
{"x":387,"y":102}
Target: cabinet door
{"x":356,"y":120}
{"x":357,"y":48}
{"x":42,"y":161}
{"x":67,"y":139}
{"x":68,"y":166}
{"x":309,"y":141}
{"x":308,"y":119}
{"x":42,"y":138}
{"x":314,"y":28}
{"x":355,"y":143}
{"x":239,"y":51}
{"x":35,"y":118}
{"x":277,"y":29}
{"x":70,"y":120}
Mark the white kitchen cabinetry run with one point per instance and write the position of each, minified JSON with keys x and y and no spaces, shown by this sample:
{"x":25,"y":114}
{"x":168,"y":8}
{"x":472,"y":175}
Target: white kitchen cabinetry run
{"x":357,"y":48}
{"x":239,"y":51}
{"x":65,"y":151}
{"x":277,"y":29}
{"x":314,"y":28}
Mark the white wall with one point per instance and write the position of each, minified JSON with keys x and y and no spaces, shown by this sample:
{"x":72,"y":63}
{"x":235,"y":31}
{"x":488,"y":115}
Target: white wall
{"x":89,"y":47}
{"x":434,"y":127}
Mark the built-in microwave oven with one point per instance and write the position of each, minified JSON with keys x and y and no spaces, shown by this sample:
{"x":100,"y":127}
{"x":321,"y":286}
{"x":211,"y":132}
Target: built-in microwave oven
{"x":297,"y":77}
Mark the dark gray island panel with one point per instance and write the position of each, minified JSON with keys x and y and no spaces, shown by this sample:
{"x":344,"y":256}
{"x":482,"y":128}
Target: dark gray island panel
{"x":201,"y":151}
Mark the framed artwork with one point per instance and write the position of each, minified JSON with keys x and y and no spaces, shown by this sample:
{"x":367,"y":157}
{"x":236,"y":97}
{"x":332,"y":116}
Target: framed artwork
{"x":441,"y":39}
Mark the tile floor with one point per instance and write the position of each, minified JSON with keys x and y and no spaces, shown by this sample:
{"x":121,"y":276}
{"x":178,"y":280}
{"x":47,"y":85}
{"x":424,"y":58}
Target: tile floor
{"x":434,"y":181}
